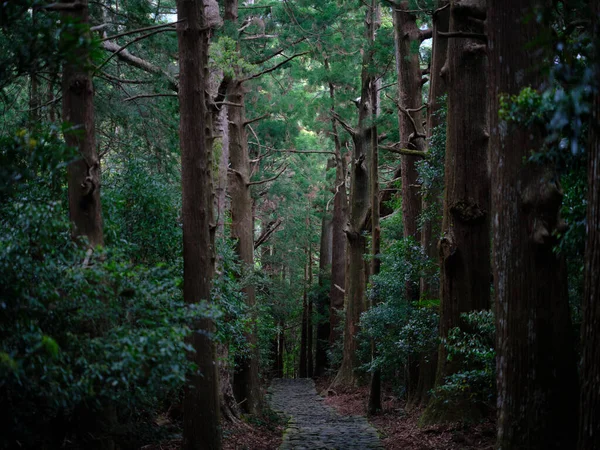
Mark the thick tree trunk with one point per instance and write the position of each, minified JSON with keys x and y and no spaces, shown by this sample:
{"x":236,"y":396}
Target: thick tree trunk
{"x":430,"y":230}
{"x":412,"y":134}
{"x":323,"y":326}
{"x":589,"y":410}
{"x":245,"y":382}
{"x":359,"y":211}
{"x":536,"y":369}
{"x":85,"y":211}
{"x":338,"y":246}
{"x":465,"y":243}
{"x":374,"y":404}
{"x":201,"y":427}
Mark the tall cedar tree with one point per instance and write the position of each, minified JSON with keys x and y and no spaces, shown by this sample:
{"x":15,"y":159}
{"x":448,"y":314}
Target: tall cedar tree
{"x":201,"y":427}
{"x":429,"y":229}
{"x":465,"y":243}
{"x":374,"y":403}
{"x":340,"y":216}
{"x":589,"y":425}
{"x":245,"y":381}
{"x":536,"y":369}
{"x":412,"y":137}
{"x":437,"y":88}
{"x":85,"y":209}
{"x":359,"y":211}
{"x":410,"y":121}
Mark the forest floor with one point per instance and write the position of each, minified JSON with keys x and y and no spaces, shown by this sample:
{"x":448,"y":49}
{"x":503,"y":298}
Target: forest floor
{"x":398,"y":428}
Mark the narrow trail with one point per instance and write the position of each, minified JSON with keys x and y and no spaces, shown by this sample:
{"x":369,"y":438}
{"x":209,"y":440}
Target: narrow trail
{"x":315,"y":426}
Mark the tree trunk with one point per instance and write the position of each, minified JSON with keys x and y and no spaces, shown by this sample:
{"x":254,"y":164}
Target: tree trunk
{"x":430,"y":230}
{"x":85,"y":210}
{"x":246,"y":381}
{"x":589,"y":410}
{"x":374,"y":404}
{"x":302,"y":370}
{"x":223,"y":128}
{"x":359,"y":211}
{"x":338,"y":245}
{"x":536,"y":369}
{"x":323,"y":327}
{"x":310,"y":368}
{"x":465,"y":243}
{"x":412,"y":135}
{"x":201,"y":427}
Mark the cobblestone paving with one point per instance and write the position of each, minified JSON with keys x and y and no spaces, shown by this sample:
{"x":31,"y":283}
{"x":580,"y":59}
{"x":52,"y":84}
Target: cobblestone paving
{"x":315,"y":426}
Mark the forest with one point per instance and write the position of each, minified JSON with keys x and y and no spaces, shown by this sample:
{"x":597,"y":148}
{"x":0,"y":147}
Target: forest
{"x":204,"y":201}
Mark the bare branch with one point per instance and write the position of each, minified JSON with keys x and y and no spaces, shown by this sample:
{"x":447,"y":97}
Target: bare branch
{"x":75,"y":6}
{"x":269,"y":230}
{"x":135,"y":97}
{"x":135,"y":61}
{"x":278,"y":52}
{"x":410,"y":117}
{"x":425,"y":34}
{"x":140,"y":30}
{"x":275,"y":67}
{"x":260,"y":36}
{"x":122,"y":49}
{"x":256,"y":183}
{"x":405,"y":151}
{"x":344,"y":124}
{"x":256,"y":119}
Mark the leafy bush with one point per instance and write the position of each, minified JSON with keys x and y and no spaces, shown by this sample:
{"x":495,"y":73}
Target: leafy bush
{"x":472,"y":345}
{"x":400,"y":328}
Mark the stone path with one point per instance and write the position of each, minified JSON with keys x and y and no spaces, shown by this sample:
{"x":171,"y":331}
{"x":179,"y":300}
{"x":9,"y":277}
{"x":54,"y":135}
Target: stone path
{"x":315,"y":426}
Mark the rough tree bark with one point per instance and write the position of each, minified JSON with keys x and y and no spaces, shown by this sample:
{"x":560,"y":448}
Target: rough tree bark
{"x":410,"y":120}
{"x":374,"y":404}
{"x":359,"y":211}
{"x":465,"y":243}
{"x":340,"y":214}
{"x":589,"y":410}
{"x":201,"y":427}
{"x":245,"y":382}
{"x":536,"y":369}
{"x":85,"y":211}
{"x":437,"y":88}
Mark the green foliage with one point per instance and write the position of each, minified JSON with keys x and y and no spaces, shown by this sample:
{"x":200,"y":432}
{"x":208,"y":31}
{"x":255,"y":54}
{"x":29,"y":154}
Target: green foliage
{"x":400,"y":329}
{"x":472,"y":346}
{"x":142,"y":211}
{"x":74,"y":336}
{"x":431,"y":172}
{"x":225,"y":56}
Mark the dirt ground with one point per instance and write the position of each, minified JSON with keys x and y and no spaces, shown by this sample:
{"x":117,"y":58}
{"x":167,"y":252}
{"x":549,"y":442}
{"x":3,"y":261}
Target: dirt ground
{"x":398,"y":427}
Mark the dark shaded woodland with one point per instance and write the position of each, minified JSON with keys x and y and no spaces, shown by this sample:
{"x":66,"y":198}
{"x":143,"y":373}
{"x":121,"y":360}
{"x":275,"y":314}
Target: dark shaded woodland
{"x":399,"y":199}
